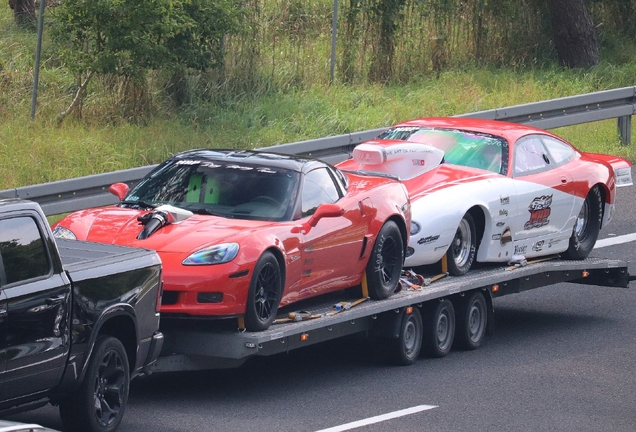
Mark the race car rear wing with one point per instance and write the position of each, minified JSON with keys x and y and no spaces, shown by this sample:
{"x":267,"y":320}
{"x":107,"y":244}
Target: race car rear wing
{"x":404,"y":160}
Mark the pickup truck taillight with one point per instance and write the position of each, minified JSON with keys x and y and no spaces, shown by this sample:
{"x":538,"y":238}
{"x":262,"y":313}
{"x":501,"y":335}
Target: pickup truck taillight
{"x":159,"y":295}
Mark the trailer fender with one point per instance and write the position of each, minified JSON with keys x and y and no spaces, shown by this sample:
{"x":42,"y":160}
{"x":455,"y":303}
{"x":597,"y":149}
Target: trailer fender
{"x":387,"y":324}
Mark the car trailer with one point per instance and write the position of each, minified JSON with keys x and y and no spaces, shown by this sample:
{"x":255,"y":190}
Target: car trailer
{"x":427,"y":316}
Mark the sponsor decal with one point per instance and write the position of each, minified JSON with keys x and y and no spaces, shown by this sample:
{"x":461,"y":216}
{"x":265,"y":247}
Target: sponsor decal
{"x":500,"y":224}
{"x":503,"y":212}
{"x":521,"y":250}
{"x":418,"y":162}
{"x":426,"y":240}
{"x":504,"y":200}
{"x":496,"y":237}
{"x":538,"y":246}
{"x":540,"y":209}
{"x":306,"y":273}
{"x":309,"y":261}
{"x":553,"y":242}
{"x":441,"y":247}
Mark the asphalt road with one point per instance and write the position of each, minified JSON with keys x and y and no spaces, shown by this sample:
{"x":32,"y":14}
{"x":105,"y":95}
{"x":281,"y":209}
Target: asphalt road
{"x":562,"y":358}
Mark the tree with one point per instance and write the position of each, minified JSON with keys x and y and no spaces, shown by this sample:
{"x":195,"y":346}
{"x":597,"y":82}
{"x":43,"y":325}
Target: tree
{"x":128,"y":38}
{"x":574,"y":33}
{"x":23,"y":12}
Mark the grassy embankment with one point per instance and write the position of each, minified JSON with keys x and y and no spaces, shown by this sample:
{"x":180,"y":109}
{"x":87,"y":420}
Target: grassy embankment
{"x":37,"y":151}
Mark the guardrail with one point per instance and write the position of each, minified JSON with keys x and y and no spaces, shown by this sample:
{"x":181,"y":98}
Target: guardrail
{"x":92,"y":191}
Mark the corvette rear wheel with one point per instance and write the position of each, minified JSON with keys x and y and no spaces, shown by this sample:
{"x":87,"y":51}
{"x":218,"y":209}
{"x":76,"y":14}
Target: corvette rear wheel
{"x":385,"y":263}
{"x":463,"y":248}
{"x":264,"y":294}
{"x":586,"y":227}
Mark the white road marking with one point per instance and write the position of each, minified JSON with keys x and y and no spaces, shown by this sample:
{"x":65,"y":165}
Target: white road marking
{"x":611,"y":241}
{"x":378,"y":419}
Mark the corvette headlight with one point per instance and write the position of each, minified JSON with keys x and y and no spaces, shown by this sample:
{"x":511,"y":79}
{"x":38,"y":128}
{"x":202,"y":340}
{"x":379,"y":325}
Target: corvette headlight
{"x":63,"y":233}
{"x":415,"y":227}
{"x":217,"y":254}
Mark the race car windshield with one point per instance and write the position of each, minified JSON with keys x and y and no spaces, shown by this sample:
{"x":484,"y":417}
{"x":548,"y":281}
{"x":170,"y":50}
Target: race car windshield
{"x":238,"y":191}
{"x":465,"y":148}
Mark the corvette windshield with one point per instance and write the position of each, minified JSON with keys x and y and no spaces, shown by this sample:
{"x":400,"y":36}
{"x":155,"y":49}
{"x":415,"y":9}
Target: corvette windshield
{"x":231,"y":190}
{"x":460,"y":147}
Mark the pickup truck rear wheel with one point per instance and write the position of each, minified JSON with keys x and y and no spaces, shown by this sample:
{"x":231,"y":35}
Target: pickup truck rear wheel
{"x":264,"y":294}
{"x":99,"y":403}
{"x":385,"y":263}
{"x":439,"y":328}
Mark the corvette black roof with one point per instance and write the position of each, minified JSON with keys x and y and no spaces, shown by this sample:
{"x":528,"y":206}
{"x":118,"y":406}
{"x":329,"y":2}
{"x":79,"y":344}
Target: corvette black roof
{"x":251,"y":157}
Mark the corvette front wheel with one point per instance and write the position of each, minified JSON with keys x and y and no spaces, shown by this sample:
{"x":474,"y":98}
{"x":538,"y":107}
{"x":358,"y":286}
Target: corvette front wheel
{"x":586,"y":227}
{"x":264,"y":294}
{"x":463,"y":247}
{"x":385,"y":263}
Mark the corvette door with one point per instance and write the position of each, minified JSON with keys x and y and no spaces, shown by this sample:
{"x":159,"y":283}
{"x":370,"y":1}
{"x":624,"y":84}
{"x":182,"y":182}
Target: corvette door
{"x":330,"y":250}
{"x":545,"y":204}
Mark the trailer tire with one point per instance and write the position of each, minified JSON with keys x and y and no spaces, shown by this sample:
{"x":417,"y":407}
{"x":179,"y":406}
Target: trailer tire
{"x":472,"y":320}
{"x":385,"y":263}
{"x":463,"y":248}
{"x":586,"y":227}
{"x":99,"y":403}
{"x":439,"y":328}
{"x":264,"y":294}
{"x":405,"y":350}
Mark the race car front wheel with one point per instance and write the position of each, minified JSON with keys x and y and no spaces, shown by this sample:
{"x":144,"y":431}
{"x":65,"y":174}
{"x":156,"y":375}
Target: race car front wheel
{"x":463,"y":248}
{"x":586,"y":227}
{"x":264,"y":294}
{"x":385,"y":263}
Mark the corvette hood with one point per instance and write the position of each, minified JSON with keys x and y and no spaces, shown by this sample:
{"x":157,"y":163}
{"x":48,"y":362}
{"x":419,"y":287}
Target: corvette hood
{"x":120,"y":226}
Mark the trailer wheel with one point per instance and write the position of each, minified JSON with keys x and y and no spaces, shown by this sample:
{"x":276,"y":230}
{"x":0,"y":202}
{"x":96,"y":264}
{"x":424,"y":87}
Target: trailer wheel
{"x":385,"y":263}
{"x":463,"y":248}
{"x":472,"y":319}
{"x":406,"y":348}
{"x":264,"y":294}
{"x":99,"y":403}
{"x":586,"y":227}
{"x":439,"y":328}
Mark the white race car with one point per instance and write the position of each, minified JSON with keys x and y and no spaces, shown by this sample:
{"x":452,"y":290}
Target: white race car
{"x":493,"y":191}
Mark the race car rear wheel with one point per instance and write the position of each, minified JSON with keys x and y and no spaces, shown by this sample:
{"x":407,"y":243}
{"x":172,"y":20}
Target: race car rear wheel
{"x":264,"y":294}
{"x":463,"y":248}
{"x":385,"y":263}
{"x":586,"y":227}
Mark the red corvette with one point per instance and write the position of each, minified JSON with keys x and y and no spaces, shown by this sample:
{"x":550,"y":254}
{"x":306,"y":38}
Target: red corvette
{"x":241,"y":233}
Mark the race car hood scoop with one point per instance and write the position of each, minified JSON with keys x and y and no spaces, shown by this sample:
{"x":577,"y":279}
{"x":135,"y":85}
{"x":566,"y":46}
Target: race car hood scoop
{"x":160,"y":217}
{"x":404,"y":160}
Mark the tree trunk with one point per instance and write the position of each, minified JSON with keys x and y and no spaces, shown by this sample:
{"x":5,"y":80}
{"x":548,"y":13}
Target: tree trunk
{"x":574,"y":33}
{"x":23,"y":12}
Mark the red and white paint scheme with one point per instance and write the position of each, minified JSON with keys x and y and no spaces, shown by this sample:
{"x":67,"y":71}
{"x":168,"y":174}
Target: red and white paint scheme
{"x":493,"y":191}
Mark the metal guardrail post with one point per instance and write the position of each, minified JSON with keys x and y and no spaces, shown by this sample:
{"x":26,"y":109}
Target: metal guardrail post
{"x":625,"y":129}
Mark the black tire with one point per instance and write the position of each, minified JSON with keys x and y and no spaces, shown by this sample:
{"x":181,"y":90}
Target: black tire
{"x":463,"y":248}
{"x":586,"y":227}
{"x":472,"y":320}
{"x":264,"y":294}
{"x":405,"y":350}
{"x":439,"y":328}
{"x":99,"y":403}
{"x":385,"y":263}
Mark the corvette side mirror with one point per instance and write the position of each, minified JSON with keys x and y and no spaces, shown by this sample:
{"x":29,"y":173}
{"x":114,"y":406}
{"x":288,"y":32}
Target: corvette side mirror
{"x":120,"y":190}
{"x":323,"y":211}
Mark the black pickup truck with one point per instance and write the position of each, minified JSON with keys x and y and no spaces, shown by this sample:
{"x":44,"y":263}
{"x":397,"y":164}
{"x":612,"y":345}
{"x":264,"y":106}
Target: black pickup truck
{"x":78,"y":320}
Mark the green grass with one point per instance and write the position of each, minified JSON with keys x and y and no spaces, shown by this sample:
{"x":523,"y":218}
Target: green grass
{"x":38,"y":151}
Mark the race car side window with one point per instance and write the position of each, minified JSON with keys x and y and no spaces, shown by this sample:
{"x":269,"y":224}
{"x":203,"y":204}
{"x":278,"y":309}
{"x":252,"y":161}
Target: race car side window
{"x":560,"y":151}
{"x":530,"y":156}
{"x":318,"y":188}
